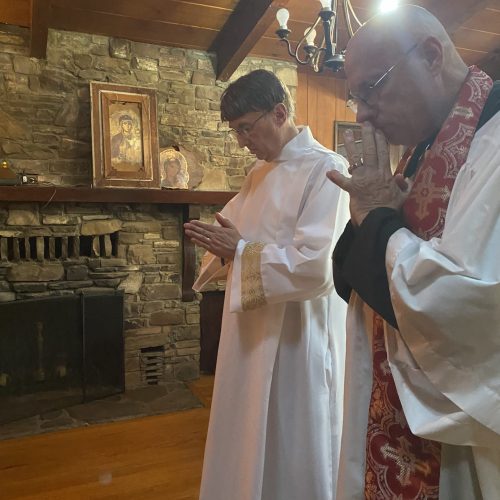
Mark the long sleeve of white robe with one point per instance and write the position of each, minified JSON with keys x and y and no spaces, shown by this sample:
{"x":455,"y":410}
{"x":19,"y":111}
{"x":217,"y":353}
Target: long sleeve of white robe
{"x":299,"y":270}
{"x":446,"y":295}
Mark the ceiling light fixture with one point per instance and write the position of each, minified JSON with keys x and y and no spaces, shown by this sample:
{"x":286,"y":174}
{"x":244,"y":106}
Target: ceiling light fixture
{"x":327,"y":53}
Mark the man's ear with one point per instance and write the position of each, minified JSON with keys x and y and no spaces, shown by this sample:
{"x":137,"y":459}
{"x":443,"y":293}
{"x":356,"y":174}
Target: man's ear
{"x":280,"y":113}
{"x":432,"y":51}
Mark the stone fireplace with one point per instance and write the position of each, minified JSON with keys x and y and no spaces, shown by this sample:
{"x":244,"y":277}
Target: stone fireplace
{"x":66,"y":249}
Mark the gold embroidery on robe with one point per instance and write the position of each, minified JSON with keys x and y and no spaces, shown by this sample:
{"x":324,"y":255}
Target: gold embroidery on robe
{"x":252,"y":289}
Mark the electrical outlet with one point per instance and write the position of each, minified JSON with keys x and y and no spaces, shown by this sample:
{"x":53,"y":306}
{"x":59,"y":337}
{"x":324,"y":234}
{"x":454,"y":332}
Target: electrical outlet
{"x":29,"y":179}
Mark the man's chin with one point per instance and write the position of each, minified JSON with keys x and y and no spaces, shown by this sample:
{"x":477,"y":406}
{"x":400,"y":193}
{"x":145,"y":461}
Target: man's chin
{"x":260,"y":155}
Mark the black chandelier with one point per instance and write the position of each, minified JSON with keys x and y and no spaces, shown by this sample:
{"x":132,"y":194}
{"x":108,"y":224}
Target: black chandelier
{"x":327,"y":53}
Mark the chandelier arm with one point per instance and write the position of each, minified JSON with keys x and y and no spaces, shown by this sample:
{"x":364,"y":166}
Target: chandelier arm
{"x":293,"y":53}
{"x":302,"y":62}
{"x":311,"y":54}
{"x":288,"y":46}
{"x":352,"y":12}
{"x":348,"y":20}
{"x":317,"y":61}
{"x":334,"y":30}
{"x":321,"y":46}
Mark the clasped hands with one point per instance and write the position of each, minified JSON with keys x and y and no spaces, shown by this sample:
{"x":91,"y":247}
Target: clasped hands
{"x":372,"y":184}
{"x":219,"y":240}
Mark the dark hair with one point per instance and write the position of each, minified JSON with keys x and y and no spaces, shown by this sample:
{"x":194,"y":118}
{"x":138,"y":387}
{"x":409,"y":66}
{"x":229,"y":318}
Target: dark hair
{"x":259,"y":90}
{"x":124,"y":118}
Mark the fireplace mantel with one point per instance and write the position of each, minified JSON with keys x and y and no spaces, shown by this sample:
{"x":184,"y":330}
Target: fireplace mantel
{"x":191,"y":201}
{"x":112,"y":195}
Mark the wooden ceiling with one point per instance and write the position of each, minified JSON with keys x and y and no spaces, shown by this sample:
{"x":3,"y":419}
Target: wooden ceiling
{"x":235,"y":29}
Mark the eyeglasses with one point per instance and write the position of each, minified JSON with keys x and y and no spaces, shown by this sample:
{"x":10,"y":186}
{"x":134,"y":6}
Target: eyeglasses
{"x":367,"y":99}
{"x":245,"y":130}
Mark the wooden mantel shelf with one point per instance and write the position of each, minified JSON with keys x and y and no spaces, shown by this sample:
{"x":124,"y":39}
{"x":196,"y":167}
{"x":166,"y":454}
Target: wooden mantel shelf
{"x":190,"y":201}
{"x":113,"y":195}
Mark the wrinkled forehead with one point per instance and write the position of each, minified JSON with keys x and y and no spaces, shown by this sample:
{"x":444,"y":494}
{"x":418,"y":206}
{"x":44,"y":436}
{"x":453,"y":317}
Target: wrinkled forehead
{"x":361,"y":72}
{"x":369,"y":55}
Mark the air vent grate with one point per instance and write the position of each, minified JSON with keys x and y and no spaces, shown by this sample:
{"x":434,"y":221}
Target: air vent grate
{"x":152,"y":362}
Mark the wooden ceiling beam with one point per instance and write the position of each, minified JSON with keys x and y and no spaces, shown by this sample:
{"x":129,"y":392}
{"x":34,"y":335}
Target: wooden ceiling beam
{"x":171,"y":11}
{"x":243,"y":29}
{"x":154,"y":32}
{"x":40,"y":20}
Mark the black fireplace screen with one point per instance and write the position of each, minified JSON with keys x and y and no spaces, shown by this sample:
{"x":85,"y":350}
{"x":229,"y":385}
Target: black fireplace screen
{"x":59,"y":351}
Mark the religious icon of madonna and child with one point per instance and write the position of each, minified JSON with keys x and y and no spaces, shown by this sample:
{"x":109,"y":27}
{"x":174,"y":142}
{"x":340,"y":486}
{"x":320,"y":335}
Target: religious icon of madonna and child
{"x":126,"y":143}
{"x":173,"y":169}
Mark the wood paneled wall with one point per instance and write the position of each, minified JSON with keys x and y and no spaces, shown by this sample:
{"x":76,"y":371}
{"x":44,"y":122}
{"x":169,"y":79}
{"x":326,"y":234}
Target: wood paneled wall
{"x":320,"y":101}
{"x":16,"y":12}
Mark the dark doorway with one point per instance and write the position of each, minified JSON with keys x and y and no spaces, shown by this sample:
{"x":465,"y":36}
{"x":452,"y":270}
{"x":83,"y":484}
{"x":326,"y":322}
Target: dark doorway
{"x":210,"y":324}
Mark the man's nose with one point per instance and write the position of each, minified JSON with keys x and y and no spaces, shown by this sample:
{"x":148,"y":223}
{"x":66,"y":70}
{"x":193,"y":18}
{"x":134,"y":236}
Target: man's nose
{"x":242,"y":140}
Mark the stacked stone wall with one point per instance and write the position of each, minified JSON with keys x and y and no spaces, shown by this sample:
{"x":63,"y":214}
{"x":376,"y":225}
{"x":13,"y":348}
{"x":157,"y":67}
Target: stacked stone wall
{"x":45,"y":109}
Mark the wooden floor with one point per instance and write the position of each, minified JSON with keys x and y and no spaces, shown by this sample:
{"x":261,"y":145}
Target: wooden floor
{"x":156,"y":457}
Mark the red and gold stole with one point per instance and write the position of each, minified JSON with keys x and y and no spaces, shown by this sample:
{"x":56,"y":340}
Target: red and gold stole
{"x":398,"y":463}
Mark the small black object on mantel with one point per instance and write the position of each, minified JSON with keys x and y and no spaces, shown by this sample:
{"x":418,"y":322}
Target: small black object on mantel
{"x":7,"y":176}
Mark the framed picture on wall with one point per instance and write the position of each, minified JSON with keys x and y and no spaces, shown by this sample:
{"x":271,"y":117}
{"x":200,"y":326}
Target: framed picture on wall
{"x":338,"y":139}
{"x":124,"y":136}
{"x":173,"y":169}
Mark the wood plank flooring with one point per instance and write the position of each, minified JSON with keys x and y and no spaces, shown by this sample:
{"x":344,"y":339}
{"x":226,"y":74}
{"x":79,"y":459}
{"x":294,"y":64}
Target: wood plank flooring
{"x":151,"y":458}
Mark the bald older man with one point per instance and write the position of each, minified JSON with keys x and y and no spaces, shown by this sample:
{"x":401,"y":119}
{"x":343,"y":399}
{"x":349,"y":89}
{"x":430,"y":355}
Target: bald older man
{"x":419,"y":264}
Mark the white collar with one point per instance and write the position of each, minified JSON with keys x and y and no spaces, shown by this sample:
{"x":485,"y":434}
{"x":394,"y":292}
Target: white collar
{"x":295,"y":147}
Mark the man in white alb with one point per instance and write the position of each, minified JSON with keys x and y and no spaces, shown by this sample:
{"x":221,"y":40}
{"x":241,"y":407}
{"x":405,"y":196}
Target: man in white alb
{"x":273,"y":432}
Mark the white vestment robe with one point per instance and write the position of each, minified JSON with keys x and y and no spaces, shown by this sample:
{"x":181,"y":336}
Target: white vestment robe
{"x":445,"y":358}
{"x":274,"y":424}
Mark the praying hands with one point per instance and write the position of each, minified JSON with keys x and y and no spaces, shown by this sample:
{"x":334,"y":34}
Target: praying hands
{"x":219,"y":240}
{"x":372,"y":184}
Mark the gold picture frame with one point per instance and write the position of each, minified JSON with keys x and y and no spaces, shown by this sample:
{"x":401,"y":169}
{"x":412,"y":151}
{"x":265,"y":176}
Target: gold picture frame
{"x":338,"y":140}
{"x":124,"y":136}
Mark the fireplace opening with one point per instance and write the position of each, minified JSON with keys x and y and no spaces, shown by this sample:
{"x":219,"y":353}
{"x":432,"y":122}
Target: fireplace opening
{"x":59,"y":351}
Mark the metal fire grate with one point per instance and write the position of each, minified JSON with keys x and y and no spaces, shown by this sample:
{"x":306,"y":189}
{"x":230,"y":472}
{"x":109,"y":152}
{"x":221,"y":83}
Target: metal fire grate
{"x":58,"y":247}
{"x":152,"y":363}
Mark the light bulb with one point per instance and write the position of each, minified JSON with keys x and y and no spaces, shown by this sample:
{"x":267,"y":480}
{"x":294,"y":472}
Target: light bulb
{"x":388,"y":5}
{"x":326,"y":4}
{"x":282,"y":16}
{"x":310,"y":36}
